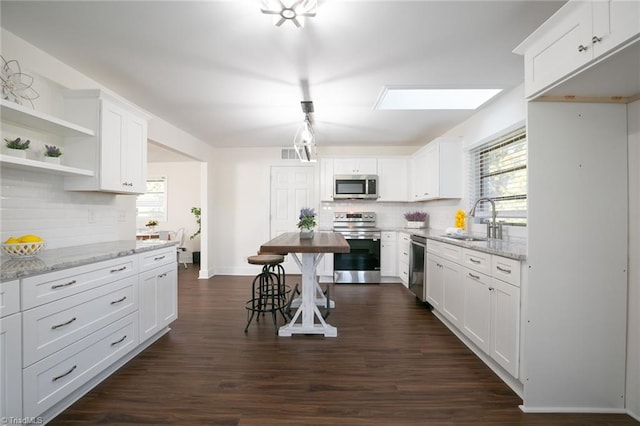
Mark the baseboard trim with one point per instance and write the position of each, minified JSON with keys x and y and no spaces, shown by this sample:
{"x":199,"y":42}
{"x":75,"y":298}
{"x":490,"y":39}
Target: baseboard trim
{"x":590,"y":410}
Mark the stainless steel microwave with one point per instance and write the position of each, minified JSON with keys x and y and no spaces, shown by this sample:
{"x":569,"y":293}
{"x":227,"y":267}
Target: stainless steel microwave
{"x":350,"y":187}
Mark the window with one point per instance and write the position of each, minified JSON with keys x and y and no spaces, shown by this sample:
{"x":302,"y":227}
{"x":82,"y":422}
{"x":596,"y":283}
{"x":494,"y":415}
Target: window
{"x":499,"y":171}
{"x":153,"y":203}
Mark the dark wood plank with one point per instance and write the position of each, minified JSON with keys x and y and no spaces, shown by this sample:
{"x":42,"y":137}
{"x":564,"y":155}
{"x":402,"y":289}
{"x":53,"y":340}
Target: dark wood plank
{"x":322,"y":242}
{"x":393,"y":363}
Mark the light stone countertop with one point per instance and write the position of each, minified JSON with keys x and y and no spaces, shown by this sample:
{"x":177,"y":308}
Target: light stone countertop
{"x":70,"y":257}
{"x":507,"y":248}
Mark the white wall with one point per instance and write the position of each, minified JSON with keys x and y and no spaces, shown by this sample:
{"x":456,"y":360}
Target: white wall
{"x":633,"y":323}
{"x":34,"y":202}
{"x":183,"y":192}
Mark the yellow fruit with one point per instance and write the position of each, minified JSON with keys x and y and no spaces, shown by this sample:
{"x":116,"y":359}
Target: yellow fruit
{"x":11,"y":240}
{"x":30,"y":238}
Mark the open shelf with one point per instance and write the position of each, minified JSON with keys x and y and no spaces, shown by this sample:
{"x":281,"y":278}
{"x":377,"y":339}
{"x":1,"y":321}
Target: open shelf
{"x":11,"y":111}
{"x":40,"y":166}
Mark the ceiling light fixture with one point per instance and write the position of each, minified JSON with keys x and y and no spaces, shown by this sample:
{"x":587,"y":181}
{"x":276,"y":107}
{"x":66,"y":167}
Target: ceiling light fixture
{"x":289,"y":10}
{"x":416,"y":98}
{"x":304,"y":141}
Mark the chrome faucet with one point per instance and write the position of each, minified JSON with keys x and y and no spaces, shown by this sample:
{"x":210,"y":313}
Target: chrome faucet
{"x":494,"y":230}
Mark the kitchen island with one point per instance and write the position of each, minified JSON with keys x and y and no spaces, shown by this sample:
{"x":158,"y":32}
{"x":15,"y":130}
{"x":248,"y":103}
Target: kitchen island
{"x":312,"y":251}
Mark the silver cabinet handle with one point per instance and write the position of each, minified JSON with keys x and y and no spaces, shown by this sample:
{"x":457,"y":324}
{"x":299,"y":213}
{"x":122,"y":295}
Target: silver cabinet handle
{"x":118,"y":270}
{"x":119,"y":300}
{"x":596,"y":39}
{"x":159,"y":258}
{"x":506,"y":271}
{"x":472,"y":260}
{"x":65,"y":374}
{"x":582,"y":48}
{"x":119,"y":341}
{"x":56,"y":286}
{"x":53,"y":327}
{"x":491,"y":288}
{"x":477,"y":277}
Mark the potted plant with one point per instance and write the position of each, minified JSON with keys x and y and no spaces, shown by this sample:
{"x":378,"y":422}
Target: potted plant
{"x":307,"y":222}
{"x":17,"y":147}
{"x":416,"y":219}
{"x":196,"y":211}
{"x":151,"y":224}
{"x":52,"y":154}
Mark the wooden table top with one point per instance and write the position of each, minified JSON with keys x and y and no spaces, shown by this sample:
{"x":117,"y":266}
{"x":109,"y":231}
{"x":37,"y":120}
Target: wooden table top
{"x":322,"y":242}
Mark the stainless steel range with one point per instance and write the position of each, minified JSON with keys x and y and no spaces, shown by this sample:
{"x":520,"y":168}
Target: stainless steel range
{"x":362,"y":263}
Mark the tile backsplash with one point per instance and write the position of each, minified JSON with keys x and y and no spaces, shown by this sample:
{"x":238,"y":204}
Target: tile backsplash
{"x":36,"y":203}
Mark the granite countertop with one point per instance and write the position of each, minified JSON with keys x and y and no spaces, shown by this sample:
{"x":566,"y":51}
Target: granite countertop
{"x":507,"y":248}
{"x":69,"y":257}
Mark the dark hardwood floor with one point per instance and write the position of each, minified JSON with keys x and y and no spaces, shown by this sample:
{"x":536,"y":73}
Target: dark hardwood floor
{"x":393,"y":363}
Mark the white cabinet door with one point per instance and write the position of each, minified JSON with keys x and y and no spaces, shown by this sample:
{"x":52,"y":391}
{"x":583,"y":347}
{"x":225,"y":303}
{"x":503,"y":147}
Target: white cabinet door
{"x":404,"y":247}
{"x":325,"y":267}
{"x":393,"y":184}
{"x":562,"y":49}
{"x":437,"y":170}
{"x":11,"y":371}
{"x":505,"y":320}
{"x":476,"y":320}
{"x":326,"y":179}
{"x":158,"y":299}
{"x":614,"y":23}
{"x":118,"y":150}
{"x":388,"y":255}
{"x":435,"y":281}
{"x":453,"y":294}
{"x":355,"y":166}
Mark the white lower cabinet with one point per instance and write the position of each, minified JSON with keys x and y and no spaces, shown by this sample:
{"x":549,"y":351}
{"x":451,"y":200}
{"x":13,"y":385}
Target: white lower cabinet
{"x":505,"y":325}
{"x":158,"y":292}
{"x":404,"y":247}
{"x":75,"y":324}
{"x":470,"y":296}
{"x":11,"y":371}
{"x":50,"y":380}
{"x":388,"y":255}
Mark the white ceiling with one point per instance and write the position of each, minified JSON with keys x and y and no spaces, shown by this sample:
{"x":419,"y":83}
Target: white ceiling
{"x":221,"y":71}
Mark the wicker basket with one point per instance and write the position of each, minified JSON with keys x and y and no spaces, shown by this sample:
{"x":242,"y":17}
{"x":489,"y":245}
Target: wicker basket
{"x":22,"y":250}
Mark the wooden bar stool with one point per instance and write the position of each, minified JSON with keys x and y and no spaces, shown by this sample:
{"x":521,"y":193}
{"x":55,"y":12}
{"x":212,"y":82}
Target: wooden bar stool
{"x":269,"y":292}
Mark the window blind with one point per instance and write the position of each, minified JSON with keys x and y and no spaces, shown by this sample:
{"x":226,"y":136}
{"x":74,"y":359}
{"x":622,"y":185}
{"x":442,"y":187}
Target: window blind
{"x":153,"y":203}
{"x":498,"y":170}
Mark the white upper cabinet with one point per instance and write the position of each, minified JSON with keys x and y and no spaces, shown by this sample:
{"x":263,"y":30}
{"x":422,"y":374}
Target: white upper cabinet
{"x":437,"y":170}
{"x":393,"y":179}
{"x":119,"y":152}
{"x":326,"y":179}
{"x":355,"y":166}
{"x":577,"y":36}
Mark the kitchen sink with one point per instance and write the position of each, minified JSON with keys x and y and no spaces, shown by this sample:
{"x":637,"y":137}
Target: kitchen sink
{"x":464,"y":237}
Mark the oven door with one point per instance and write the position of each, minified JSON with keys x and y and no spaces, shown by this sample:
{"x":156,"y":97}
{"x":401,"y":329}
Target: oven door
{"x":361,"y":264}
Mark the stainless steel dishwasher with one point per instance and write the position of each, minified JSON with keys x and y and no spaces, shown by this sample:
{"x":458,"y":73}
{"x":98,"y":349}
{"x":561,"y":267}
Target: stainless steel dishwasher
{"x":418,"y":267}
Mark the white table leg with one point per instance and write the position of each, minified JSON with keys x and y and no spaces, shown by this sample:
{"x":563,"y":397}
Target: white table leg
{"x":320,"y":298}
{"x":308,"y":311}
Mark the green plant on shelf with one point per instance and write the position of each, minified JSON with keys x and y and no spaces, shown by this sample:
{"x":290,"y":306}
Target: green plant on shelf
{"x":196,"y":212}
{"x":52,"y":151}
{"x":17,"y":143}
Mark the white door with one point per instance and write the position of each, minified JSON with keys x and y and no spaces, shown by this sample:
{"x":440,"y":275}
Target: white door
{"x":292,"y":188}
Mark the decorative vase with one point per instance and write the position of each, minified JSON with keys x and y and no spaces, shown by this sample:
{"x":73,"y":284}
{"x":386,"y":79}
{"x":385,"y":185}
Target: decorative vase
{"x":415,"y":224}
{"x":52,"y":160}
{"x":306,"y":234}
{"x":20,"y":153}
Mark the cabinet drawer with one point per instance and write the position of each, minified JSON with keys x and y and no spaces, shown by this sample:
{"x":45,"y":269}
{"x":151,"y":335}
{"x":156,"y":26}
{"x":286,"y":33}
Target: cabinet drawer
{"x":434,"y":247}
{"x":53,"y":326}
{"x":403,"y":255}
{"x":52,"y":379}
{"x":388,"y":236}
{"x":476,"y":260}
{"x":155,"y":258}
{"x":505,"y":269}
{"x":404,"y":239}
{"x":9,"y":298}
{"x":451,"y":252}
{"x":52,"y":286}
{"x":403,"y":272}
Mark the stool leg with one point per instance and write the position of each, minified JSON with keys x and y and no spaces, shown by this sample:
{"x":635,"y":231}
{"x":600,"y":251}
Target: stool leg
{"x":254,"y":308}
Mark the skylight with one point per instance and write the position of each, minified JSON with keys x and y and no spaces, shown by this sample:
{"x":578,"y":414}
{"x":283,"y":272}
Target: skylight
{"x":420,"y":98}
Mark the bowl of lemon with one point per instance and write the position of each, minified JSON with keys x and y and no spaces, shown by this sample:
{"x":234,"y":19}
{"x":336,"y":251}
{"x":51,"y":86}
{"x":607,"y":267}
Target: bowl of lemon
{"x":23,"y":247}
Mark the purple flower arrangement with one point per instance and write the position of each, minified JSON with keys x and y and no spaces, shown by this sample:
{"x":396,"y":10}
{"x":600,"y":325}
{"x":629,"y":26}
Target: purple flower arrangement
{"x":416,"y":216}
{"x":307,"y":218}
